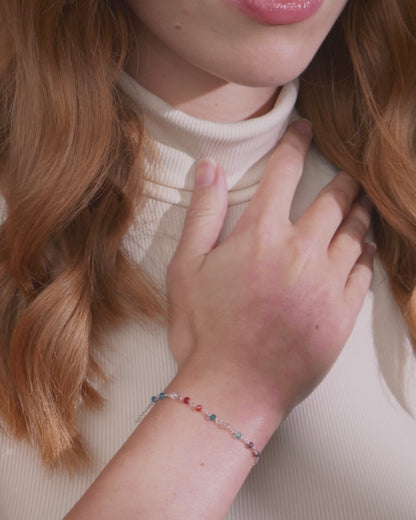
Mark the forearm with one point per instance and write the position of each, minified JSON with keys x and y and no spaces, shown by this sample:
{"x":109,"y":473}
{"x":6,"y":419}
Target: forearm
{"x":177,"y":464}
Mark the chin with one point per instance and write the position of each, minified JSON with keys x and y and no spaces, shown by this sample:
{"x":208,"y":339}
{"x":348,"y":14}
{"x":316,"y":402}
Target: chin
{"x":253,"y":75}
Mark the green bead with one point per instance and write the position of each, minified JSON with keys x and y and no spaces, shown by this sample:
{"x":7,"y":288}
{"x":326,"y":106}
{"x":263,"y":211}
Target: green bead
{"x":237,"y":435}
{"x":162,"y":396}
{"x":212,"y":417}
{"x":154,"y":399}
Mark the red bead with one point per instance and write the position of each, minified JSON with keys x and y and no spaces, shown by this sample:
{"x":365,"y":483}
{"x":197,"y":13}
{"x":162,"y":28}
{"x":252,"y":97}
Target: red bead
{"x":199,"y":408}
{"x":186,"y":400}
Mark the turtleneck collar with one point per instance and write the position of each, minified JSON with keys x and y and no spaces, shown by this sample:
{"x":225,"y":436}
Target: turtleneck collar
{"x":240,"y":148}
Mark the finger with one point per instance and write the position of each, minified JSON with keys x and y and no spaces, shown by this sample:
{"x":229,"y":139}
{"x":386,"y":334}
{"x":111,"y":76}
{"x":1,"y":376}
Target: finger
{"x":330,"y":207}
{"x":359,"y":280}
{"x":347,"y":244}
{"x":273,"y":198}
{"x":205,"y":214}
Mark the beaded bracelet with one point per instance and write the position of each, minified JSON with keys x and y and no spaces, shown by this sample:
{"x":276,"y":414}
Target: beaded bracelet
{"x":210,"y":417}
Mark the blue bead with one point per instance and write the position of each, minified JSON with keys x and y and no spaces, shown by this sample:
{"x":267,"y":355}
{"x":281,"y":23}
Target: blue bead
{"x":237,"y":435}
{"x":212,"y":417}
{"x":162,"y":396}
{"x":154,"y":399}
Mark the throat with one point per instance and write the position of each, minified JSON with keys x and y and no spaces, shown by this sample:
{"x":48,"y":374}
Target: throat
{"x":230,"y":103}
{"x":193,"y":90}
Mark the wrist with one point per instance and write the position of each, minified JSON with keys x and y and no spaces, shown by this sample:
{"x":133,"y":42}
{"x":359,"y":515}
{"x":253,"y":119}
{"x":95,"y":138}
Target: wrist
{"x":240,"y":399}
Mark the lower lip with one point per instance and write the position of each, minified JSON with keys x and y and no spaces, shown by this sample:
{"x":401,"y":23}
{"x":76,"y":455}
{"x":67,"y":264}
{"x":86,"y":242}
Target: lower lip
{"x":277,"y":12}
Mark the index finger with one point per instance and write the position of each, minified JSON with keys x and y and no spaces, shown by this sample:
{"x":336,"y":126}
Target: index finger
{"x":274,"y":195}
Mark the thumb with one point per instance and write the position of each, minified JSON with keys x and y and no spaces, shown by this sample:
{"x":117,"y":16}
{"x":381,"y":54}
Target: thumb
{"x":205,"y":215}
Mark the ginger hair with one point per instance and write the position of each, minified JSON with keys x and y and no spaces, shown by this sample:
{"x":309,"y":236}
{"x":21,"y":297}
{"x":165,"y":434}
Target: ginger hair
{"x":360,"y":94}
{"x":71,"y":148}
{"x":71,"y":170}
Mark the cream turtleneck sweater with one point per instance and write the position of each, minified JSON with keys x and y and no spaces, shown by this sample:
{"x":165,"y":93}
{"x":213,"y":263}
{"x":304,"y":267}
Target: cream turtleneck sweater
{"x":348,"y":452}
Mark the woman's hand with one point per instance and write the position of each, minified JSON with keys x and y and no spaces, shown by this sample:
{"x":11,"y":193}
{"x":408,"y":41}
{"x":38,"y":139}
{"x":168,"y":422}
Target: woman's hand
{"x":256,"y":322}
{"x":273,"y":305}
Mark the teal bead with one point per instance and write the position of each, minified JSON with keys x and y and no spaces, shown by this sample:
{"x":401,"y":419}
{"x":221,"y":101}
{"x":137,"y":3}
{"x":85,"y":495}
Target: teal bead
{"x":212,"y":417}
{"x":154,"y":399}
{"x":237,"y":435}
{"x":162,"y":396}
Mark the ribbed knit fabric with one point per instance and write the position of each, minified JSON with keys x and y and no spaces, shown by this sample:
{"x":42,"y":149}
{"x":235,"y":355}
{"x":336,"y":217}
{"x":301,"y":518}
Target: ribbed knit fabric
{"x":348,"y":452}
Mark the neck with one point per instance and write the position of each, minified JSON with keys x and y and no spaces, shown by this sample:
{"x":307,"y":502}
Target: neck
{"x":192,"y":90}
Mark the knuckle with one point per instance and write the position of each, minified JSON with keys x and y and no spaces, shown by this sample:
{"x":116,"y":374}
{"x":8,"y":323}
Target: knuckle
{"x":349,"y":244}
{"x":263,"y":228}
{"x":343,"y":190}
{"x":302,"y":251}
{"x":299,"y":141}
{"x":342,"y":198}
{"x":200,"y":213}
{"x":261,"y":247}
{"x":290,"y":164}
{"x":303,"y":243}
{"x":358,"y":230}
{"x":347,"y":181}
{"x":289,"y":155}
{"x":363,"y":215}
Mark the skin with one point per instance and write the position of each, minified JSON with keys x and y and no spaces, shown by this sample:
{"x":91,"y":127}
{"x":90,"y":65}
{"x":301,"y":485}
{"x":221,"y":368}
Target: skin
{"x":233,"y":65}
{"x":269,"y":361}
{"x":292,"y":299}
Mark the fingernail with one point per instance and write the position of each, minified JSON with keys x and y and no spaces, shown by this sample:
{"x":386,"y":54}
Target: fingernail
{"x":370,"y":249}
{"x":303,"y":126}
{"x":205,"y":173}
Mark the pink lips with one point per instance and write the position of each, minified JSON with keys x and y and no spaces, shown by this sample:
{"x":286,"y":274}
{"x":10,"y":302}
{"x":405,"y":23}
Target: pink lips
{"x":277,"y":12}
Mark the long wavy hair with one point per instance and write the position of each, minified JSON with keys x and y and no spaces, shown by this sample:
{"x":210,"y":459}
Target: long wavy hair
{"x":71,"y":169}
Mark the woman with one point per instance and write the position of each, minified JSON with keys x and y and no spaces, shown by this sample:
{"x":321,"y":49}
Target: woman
{"x":260,"y":306}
